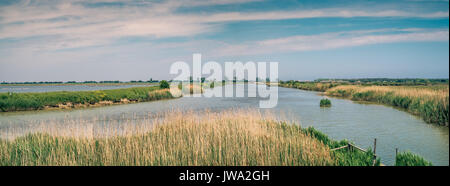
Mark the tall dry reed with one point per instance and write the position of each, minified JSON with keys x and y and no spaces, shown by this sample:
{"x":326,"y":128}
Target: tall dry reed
{"x":431,"y":103}
{"x":239,"y":137}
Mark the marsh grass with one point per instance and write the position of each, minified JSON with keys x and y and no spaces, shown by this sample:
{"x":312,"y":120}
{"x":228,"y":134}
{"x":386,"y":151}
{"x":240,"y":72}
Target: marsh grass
{"x":431,"y":102}
{"x":37,"y":101}
{"x":410,"y":159}
{"x":233,"y":137}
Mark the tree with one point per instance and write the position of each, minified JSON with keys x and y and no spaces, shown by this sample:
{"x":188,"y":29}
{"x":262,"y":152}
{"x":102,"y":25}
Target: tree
{"x":164,"y":84}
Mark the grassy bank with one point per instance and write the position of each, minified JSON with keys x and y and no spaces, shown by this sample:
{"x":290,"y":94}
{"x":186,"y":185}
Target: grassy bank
{"x":429,"y":102}
{"x":242,"y":137}
{"x":64,"y":99}
{"x":410,"y":159}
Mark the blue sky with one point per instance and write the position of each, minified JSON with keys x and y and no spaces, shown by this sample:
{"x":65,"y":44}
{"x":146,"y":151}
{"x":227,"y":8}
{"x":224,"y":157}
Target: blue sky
{"x":80,"y":40}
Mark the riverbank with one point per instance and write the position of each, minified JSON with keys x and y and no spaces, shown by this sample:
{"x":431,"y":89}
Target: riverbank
{"x":430,"y":102}
{"x":239,"y":137}
{"x":79,"y":99}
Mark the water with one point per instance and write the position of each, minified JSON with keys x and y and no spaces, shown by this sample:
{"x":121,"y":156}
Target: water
{"x":52,"y":88}
{"x":360,"y":123}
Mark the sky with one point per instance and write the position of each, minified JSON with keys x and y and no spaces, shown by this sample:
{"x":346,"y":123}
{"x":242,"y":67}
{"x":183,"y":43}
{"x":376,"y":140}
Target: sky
{"x":78,"y":40}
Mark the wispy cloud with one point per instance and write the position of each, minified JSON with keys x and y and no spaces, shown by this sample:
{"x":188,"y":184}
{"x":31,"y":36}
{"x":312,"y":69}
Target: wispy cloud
{"x":321,"y":13}
{"x":72,"y":24}
{"x":333,"y":40}
{"x":346,"y":39}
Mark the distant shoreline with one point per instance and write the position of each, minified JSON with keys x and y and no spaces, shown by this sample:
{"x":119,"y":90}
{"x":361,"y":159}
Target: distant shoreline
{"x":78,"y":84}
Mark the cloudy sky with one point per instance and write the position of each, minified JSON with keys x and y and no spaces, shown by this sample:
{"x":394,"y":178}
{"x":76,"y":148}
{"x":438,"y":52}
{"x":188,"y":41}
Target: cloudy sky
{"x":55,"y":40}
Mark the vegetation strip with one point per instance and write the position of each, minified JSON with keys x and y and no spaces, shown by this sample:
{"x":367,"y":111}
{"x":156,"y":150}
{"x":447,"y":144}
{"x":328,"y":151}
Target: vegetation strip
{"x":64,"y":99}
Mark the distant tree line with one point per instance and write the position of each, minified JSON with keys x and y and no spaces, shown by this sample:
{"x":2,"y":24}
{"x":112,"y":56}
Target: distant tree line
{"x":79,"y":82}
{"x":388,"y":81}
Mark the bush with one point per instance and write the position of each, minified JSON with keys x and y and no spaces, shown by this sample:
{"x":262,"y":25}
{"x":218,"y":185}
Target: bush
{"x":164,"y":84}
{"x":325,"y":103}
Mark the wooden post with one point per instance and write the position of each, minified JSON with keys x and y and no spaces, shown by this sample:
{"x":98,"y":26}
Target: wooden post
{"x":396,"y":152}
{"x":374,"y":151}
{"x":375,"y":146}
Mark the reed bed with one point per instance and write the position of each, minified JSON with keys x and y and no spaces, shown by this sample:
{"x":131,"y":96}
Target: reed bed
{"x":410,"y":159}
{"x":431,"y":103}
{"x":233,"y":137}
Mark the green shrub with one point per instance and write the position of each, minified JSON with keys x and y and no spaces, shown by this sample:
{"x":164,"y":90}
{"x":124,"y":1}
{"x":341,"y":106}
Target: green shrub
{"x":325,"y":103}
{"x":164,"y":84}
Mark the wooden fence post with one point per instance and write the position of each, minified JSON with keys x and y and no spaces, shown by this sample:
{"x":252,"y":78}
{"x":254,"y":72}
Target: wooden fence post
{"x":374,"y":151}
{"x":396,"y":152}
{"x":375,"y":146}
